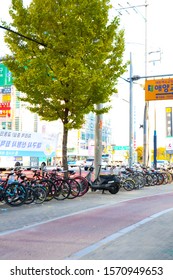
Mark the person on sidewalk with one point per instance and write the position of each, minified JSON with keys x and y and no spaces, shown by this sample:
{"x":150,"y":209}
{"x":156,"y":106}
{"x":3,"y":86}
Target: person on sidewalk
{"x":43,"y":168}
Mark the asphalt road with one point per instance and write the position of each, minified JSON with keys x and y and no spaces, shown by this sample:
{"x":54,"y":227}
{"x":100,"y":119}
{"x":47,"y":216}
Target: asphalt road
{"x":132,"y":225}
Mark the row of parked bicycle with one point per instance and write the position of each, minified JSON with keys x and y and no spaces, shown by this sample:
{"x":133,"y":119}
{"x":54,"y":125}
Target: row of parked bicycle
{"x":148,"y":177}
{"x":19,"y":186}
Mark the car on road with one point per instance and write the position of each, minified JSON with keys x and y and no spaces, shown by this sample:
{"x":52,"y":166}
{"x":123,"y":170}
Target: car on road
{"x":90,"y":161}
{"x":75,"y":163}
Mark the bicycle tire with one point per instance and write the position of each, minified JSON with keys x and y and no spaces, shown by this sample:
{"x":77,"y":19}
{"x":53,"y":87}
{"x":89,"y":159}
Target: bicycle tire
{"x":50,"y":187}
{"x":62,"y":189}
{"x":30,"y":196}
{"x":75,"y":188}
{"x":128,"y":184}
{"x":40,"y":194}
{"x":15,"y":194}
{"x":148,"y":180}
{"x":84,"y":185}
{"x":160,"y":179}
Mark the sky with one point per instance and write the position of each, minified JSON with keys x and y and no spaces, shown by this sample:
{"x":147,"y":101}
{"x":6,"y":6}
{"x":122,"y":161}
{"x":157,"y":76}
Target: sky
{"x":145,"y":29}
{"x":156,"y":17}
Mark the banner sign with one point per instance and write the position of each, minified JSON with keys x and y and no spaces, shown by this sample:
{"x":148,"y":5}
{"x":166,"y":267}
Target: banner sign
{"x":15,"y":143}
{"x":5,"y":76}
{"x":169,"y":145}
{"x":120,"y":148}
{"x":5,"y":90}
{"x":5,"y":109}
{"x":161,"y":89}
{"x":168,"y":121}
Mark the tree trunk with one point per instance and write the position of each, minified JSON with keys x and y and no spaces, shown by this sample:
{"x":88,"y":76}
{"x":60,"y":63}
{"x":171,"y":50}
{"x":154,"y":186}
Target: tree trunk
{"x":64,"y":148}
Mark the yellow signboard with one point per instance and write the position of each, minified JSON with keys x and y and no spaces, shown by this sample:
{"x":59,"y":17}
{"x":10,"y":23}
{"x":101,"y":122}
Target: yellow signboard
{"x":161,"y":89}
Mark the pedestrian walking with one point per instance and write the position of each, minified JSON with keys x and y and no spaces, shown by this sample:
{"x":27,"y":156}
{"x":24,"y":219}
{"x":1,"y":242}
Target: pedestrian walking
{"x":43,"y":168}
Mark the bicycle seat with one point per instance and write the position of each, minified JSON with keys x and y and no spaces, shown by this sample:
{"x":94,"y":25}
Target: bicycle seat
{"x":71,"y":172}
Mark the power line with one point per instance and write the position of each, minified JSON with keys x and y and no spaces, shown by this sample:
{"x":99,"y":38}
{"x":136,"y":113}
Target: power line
{"x":24,"y":36}
{"x":128,"y":7}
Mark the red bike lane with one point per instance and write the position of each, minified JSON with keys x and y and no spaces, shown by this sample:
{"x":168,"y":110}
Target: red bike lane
{"x":63,"y":237}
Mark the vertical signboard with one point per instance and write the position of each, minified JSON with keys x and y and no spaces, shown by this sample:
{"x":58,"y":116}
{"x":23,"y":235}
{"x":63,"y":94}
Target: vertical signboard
{"x":168,"y":121}
{"x":5,"y":76}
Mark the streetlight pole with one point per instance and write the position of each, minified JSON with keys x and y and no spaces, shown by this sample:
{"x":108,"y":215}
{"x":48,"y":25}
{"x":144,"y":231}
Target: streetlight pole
{"x":146,"y":107}
{"x":131,"y":116}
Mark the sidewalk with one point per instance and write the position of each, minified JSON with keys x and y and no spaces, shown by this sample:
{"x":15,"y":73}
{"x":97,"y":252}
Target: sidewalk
{"x":13,"y":218}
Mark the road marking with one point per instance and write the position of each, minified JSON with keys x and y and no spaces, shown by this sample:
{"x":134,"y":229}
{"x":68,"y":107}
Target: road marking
{"x":78,"y":255}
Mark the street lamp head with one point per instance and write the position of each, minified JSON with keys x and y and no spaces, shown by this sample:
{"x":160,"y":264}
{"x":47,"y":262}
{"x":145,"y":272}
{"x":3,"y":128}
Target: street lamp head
{"x":135,"y":77}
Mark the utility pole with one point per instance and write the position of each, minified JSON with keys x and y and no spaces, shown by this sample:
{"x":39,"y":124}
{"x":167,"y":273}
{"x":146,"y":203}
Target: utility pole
{"x":146,"y":106}
{"x":98,"y":140}
{"x":131,"y":116}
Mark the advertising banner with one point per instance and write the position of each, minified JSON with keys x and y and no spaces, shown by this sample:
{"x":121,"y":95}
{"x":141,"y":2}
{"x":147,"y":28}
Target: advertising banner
{"x":15,"y":143}
{"x":161,"y":89}
{"x":169,"y":145}
{"x":168,"y":121}
{"x":5,"y":109}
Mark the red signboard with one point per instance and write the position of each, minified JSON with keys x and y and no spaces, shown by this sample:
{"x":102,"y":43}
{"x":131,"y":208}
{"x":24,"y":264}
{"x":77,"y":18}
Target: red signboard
{"x":5,"y":109}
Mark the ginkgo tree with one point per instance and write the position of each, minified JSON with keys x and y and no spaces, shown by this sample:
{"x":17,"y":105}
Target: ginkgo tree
{"x":66,"y":57}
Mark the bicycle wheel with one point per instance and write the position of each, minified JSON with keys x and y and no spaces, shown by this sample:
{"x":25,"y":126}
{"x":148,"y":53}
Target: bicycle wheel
{"x":50,"y":187}
{"x":84,"y":185}
{"x":62,"y":189}
{"x":40,"y":194}
{"x":160,"y":179}
{"x":2,"y":201}
{"x":30,"y":196}
{"x":75,"y":188}
{"x":169,"y":175}
{"x":148,"y":180}
{"x":15,"y":194}
{"x":128,"y":184}
{"x":165,"y":176}
{"x":139,"y":182}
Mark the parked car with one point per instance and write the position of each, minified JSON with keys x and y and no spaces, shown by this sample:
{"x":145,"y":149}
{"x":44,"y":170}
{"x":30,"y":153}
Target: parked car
{"x":90,"y":161}
{"x":75,"y":163}
{"x":104,"y":164}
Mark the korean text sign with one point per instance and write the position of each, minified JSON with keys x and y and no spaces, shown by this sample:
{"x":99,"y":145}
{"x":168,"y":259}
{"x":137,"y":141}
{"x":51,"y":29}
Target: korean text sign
{"x":159,"y":89}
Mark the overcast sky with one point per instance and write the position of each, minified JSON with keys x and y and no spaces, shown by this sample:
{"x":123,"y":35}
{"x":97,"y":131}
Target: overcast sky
{"x":158,"y":37}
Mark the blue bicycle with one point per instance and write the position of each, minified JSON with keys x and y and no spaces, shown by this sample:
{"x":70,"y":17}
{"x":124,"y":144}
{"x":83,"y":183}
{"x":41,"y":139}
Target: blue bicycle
{"x":12,"y":193}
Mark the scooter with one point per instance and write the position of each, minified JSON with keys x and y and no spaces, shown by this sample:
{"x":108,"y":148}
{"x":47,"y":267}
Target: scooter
{"x":103,"y":182}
